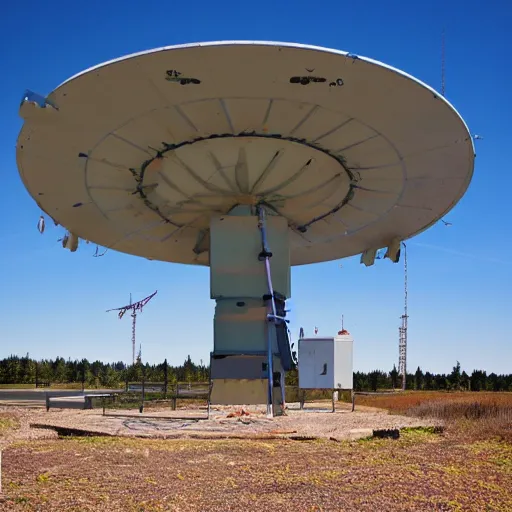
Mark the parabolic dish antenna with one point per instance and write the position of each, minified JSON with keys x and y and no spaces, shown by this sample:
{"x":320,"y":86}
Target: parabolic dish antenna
{"x":248,"y":157}
{"x":139,"y":153}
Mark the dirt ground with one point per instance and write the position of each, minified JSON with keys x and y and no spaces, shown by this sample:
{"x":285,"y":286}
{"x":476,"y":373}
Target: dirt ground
{"x":420,"y":471}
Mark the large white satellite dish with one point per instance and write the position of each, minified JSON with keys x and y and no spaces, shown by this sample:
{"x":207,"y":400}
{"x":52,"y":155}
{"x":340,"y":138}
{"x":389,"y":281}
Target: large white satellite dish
{"x":138,"y":153}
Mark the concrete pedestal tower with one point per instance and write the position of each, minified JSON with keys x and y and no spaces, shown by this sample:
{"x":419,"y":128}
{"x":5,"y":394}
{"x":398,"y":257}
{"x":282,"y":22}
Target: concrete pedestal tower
{"x":250,"y":281}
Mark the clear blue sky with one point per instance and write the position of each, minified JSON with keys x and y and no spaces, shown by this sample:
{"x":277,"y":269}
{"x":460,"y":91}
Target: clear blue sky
{"x":53,"y":302}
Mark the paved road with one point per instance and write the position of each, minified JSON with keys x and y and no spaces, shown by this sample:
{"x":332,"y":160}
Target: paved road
{"x":38,"y":396}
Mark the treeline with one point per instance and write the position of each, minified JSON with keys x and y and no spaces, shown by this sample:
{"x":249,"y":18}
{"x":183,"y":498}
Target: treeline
{"x":457,"y":380}
{"x":25,"y":370}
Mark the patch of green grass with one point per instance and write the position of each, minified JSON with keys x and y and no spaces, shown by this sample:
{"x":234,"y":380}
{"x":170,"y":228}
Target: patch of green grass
{"x":367,"y":439}
{"x":43,"y":478}
{"x":491,"y":446}
{"x":412,"y":436}
{"x":17,"y":386}
{"x":138,"y":445}
{"x":421,"y":430}
{"x":454,"y":505}
{"x":5,"y":423}
{"x":503,"y":459}
{"x":283,"y":476}
{"x":8,"y":423}
{"x":453,"y":469}
{"x":407,"y":433}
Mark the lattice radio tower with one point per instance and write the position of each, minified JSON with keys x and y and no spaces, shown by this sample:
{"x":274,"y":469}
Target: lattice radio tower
{"x":134,"y":308}
{"x":402,"y":330}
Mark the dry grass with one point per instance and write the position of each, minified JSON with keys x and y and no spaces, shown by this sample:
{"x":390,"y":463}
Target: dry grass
{"x":479,"y":414}
{"x":464,"y":409}
{"x":400,"y":403}
{"x":478,"y":419}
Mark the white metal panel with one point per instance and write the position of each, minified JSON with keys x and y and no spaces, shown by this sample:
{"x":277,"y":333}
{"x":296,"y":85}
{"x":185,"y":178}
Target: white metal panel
{"x":306,"y":354}
{"x":343,"y":362}
{"x":324,"y":364}
{"x":313,"y":354}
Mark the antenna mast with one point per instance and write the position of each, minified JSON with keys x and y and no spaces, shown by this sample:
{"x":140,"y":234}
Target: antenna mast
{"x":402,"y":331}
{"x":134,"y":308}
{"x":134,"y":321}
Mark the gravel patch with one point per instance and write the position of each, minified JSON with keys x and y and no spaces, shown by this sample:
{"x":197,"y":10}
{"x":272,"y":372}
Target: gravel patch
{"x":224,"y":422}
